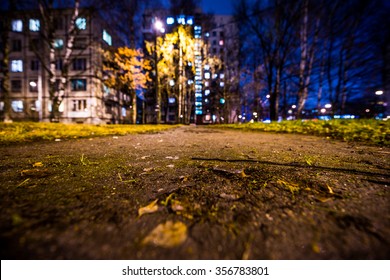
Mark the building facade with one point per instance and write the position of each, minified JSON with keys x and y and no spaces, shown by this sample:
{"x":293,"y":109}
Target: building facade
{"x":211,"y":89}
{"x":25,"y":47}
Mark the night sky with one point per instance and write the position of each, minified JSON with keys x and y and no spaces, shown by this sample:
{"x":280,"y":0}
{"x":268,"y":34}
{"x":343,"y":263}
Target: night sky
{"x":218,"y":6}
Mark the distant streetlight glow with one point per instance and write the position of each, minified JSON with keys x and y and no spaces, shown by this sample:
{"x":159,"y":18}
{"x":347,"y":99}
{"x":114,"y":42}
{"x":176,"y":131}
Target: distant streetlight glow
{"x":328,"y":106}
{"x":33,"y":84}
{"x":323,"y":110}
{"x":294,"y":106}
{"x":379,"y":92}
{"x":268,"y":96}
{"x":159,"y":26}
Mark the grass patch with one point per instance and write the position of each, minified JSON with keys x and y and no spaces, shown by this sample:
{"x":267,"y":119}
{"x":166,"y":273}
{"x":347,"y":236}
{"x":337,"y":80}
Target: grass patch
{"x":372,"y":132}
{"x":19,"y":132}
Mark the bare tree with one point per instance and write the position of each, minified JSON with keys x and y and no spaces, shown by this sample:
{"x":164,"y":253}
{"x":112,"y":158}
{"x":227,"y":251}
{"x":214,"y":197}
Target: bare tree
{"x":5,"y":83}
{"x":273,"y":27}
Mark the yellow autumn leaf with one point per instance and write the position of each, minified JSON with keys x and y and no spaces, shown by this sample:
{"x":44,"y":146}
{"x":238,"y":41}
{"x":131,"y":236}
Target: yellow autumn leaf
{"x":330,"y":190}
{"x":167,"y":235}
{"x":38,"y":164}
{"x":150,"y":208}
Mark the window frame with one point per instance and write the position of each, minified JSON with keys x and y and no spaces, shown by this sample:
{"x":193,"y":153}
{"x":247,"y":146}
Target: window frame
{"x":34,"y":25}
{"x":16,"y":66}
{"x":75,"y":86}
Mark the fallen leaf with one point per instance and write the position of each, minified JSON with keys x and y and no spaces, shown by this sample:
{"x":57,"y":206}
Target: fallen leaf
{"x":316,"y":248}
{"x":148,"y":169}
{"x":150,"y":208}
{"x":167,"y":235}
{"x":38,"y":164}
{"x":183,"y":178}
{"x":171,"y":166}
{"x":229,"y":196}
{"x":22,"y":183}
{"x":169,"y":157}
{"x":330,"y":190}
{"x":145,"y":157}
{"x":35,"y":173}
{"x":323,"y":199}
{"x":176,"y":206}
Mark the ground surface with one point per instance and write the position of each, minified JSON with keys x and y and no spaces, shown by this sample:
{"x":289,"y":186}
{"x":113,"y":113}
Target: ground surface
{"x":195,"y":193}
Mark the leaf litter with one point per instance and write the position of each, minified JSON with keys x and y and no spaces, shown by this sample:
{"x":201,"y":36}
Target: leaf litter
{"x":167,"y":235}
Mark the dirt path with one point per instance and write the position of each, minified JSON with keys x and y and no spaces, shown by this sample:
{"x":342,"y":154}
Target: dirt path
{"x":210,"y":194}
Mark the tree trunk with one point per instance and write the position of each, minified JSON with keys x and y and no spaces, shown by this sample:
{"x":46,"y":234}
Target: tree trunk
{"x":134,"y":107}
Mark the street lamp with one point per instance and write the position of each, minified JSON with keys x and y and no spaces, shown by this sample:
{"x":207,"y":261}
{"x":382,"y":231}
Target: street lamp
{"x":379,"y":92}
{"x":158,"y":27}
{"x":38,"y":104}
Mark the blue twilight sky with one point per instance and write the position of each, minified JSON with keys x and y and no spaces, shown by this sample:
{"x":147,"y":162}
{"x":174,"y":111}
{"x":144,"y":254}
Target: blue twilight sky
{"x":224,"y":7}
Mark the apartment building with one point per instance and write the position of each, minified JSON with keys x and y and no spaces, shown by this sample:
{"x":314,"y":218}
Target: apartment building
{"x":85,"y":98}
{"x":221,"y":97}
{"x":212,"y":91}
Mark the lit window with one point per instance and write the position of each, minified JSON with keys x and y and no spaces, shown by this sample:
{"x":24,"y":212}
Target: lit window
{"x":106,"y":90}
{"x":207,"y":92}
{"x":221,"y":42}
{"x":17,"y":25}
{"x":171,"y":100}
{"x":79,"y":84}
{"x":221,"y":84}
{"x":190,"y":20}
{"x":181,"y":19}
{"x":207,"y":75}
{"x":170,"y":20}
{"x":17,"y":106}
{"x":81,"y":23}
{"x":124,"y":113}
{"x":58,"y":44}
{"x":107,"y":38}
{"x":16,"y":66}
{"x":34,"y":25}
{"x":33,"y":85}
{"x":222,"y":76}
{"x":207,"y":34}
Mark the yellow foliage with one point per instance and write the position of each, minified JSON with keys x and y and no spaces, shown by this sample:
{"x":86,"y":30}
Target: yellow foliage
{"x":167,"y":235}
{"x":127,"y":68}
{"x":150,"y":208}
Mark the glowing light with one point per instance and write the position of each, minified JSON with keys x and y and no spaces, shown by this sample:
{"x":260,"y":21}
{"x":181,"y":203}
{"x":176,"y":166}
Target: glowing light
{"x":33,"y":84}
{"x":379,"y":92}
{"x":158,"y":25}
{"x":328,"y":106}
{"x":170,"y":20}
{"x":294,"y":106}
{"x":268,"y":96}
{"x":323,"y":110}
